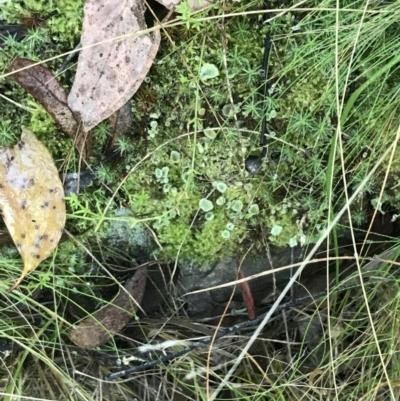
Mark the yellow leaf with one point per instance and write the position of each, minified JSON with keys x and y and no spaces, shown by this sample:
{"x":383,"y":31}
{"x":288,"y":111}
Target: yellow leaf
{"x":31,"y":200}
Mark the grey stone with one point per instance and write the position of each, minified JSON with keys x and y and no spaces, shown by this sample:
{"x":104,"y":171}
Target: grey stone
{"x":194,"y":277}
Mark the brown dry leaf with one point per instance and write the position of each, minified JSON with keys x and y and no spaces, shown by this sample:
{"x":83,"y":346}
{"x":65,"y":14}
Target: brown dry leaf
{"x":31,"y":200}
{"x":110,"y":73}
{"x":110,"y":320}
{"x":247,"y":297}
{"x":45,"y":88}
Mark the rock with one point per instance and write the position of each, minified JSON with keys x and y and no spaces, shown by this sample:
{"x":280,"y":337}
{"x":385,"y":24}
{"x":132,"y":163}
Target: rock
{"x":194,"y":277}
{"x":75,"y":183}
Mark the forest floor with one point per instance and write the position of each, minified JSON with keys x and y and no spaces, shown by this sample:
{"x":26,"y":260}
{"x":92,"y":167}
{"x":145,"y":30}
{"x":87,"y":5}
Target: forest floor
{"x":185,"y":192}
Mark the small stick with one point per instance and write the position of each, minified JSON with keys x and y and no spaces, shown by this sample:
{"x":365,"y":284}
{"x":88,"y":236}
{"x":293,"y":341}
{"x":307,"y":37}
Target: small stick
{"x":69,"y":58}
{"x":253,"y":163}
{"x":233,"y":329}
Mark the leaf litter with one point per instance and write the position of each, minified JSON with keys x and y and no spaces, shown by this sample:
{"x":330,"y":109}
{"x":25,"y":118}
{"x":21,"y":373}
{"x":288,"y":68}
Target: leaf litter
{"x":31,"y":200}
{"x":45,"y":88}
{"x":32,"y":197}
{"x":97,"y":329}
{"x":109,"y":73}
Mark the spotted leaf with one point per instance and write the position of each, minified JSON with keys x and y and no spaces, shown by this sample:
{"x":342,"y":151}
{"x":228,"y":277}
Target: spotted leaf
{"x":31,"y":200}
{"x":110,"y":71}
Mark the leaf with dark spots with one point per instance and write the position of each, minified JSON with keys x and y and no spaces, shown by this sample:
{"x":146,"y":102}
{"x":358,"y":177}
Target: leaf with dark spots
{"x":97,"y":329}
{"x":247,"y":297}
{"x":45,"y":88}
{"x":27,"y":222}
{"x":110,"y":72}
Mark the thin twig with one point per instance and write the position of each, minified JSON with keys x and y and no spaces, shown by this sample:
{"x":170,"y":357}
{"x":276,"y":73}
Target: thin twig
{"x":235,"y":328}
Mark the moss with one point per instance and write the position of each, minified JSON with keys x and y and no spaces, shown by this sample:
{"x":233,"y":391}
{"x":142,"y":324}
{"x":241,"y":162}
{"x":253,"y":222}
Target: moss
{"x":165,"y":189}
{"x":64,"y":27}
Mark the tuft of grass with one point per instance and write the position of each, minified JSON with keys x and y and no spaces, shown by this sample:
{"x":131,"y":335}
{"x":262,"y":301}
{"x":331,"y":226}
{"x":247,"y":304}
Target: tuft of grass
{"x":332,"y":111}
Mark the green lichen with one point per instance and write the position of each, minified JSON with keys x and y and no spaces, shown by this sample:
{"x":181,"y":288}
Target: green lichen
{"x":200,"y":129}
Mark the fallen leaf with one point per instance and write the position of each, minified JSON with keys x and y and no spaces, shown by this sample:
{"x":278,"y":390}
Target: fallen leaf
{"x":45,"y":88}
{"x":110,"y":320}
{"x":109,"y":73}
{"x":31,"y":200}
{"x":247,"y":297}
